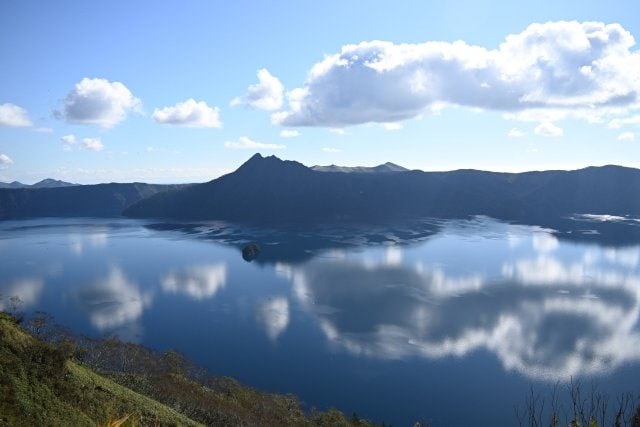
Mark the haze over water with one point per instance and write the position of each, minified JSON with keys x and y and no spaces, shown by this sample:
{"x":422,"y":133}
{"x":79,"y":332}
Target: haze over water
{"x":442,"y":321}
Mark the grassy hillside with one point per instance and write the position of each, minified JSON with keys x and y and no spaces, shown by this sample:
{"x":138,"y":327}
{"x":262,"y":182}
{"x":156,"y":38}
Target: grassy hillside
{"x":43,"y":384}
{"x":39,"y":385}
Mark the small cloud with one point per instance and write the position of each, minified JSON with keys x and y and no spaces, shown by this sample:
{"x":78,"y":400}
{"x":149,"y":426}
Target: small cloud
{"x":244,"y":143}
{"x":190,"y":113}
{"x":287,"y":133}
{"x":627,"y":136}
{"x":391,"y":126}
{"x":94,"y":144}
{"x":516,"y":133}
{"x":43,"y":130}
{"x":548,"y":129}
{"x":274,"y":315}
{"x":98,"y":102}
{"x":5,"y":160}
{"x":13,"y":116}
{"x":331,"y":150}
{"x":267,"y":94}
{"x":337,"y":131}
{"x":619,"y":122}
{"x":69,"y":139}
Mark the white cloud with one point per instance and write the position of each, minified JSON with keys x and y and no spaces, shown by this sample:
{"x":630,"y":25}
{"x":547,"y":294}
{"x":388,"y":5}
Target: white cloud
{"x":98,"y":102}
{"x":198,"y":282}
{"x":43,"y":130}
{"x":544,"y":242}
{"x":28,"y":291}
{"x":248,"y":144}
{"x":619,"y":122}
{"x":94,"y":144}
{"x":331,"y":150}
{"x":69,"y":139}
{"x":267,"y":94}
{"x":548,"y":129}
{"x":627,"y":136}
{"x":567,"y":66}
{"x":337,"y":131}
{"x":190,"y":113}
{"x":274,"y":315}
{"x":391,"y":126}
{"x":516,"y":133}
{"x":13,"y":116}
{"x":5,"y":160}
{"x":114,"y":300}
{"x":288,"y":133}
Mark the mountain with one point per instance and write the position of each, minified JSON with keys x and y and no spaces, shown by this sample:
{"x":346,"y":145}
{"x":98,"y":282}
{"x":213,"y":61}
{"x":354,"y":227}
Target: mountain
{"x":101,"y":200}
{"x":52,"y":183}
{"x":384,"y":168}
{"x":14,"y":184}
{"x":267,"y":189}
{"x":45,"y":183}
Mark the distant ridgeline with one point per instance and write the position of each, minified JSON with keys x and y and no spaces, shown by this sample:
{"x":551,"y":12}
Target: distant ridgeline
{"x":101,"y":200}
{"x":270,"y":190}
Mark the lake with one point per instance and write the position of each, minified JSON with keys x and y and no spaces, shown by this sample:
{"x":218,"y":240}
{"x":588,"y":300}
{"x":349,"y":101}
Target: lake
{"x":449,"y":322}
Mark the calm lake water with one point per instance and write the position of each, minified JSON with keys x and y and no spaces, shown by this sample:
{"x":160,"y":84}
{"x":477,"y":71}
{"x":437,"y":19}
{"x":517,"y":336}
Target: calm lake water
{"x":442,"y":321}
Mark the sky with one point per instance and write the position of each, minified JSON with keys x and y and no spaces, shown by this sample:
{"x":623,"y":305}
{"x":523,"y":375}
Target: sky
{"x":170,"y":92}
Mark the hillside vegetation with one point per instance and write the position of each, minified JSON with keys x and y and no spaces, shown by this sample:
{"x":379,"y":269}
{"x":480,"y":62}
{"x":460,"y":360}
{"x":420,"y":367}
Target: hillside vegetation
{"x":100,"y":382}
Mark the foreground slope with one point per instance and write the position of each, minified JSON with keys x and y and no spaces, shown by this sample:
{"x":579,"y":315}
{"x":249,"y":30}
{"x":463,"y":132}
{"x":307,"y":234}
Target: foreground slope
{"x":40,"y":386}
{"x":271,"y":190}
{"x":86,"y":382}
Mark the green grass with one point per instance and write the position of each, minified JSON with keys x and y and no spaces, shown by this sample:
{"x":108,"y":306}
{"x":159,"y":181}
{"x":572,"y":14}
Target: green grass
{"x":40,"y":386}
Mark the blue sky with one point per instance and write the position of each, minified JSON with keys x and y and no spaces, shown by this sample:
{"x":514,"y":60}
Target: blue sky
{"x":186,"y":91}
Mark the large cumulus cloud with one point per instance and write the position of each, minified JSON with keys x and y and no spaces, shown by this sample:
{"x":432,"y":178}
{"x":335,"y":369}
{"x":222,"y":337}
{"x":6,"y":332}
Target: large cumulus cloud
{"x":564,"y":67}
{"x":98,"y":102}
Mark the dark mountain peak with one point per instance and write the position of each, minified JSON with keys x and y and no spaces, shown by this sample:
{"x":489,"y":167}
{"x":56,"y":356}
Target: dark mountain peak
{"x":255,"y":158}
{"x":51,"y":183}
{"x":14,"y":184}
{"x":260,"y":164}
{"x":390,"y":167}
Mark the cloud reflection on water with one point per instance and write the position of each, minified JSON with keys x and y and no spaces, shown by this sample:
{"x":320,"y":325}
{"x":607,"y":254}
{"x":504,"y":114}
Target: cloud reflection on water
{"x":274,"y":316}
{"x":114,"y":301}
{"x":28,"y":291}
{"x":198,"y":282}
{"x":541,"y":315}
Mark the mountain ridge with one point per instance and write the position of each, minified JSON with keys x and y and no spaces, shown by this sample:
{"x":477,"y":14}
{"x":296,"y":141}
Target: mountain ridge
{"x":45,"y":183}
{"x":387,"y":167}
{"x":98,"y":200}
{"x":268,"y":189}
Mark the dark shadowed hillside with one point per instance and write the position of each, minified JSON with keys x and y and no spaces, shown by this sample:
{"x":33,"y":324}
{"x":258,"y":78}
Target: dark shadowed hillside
{"x":271,"y":190}
{"x":102,"y":200}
